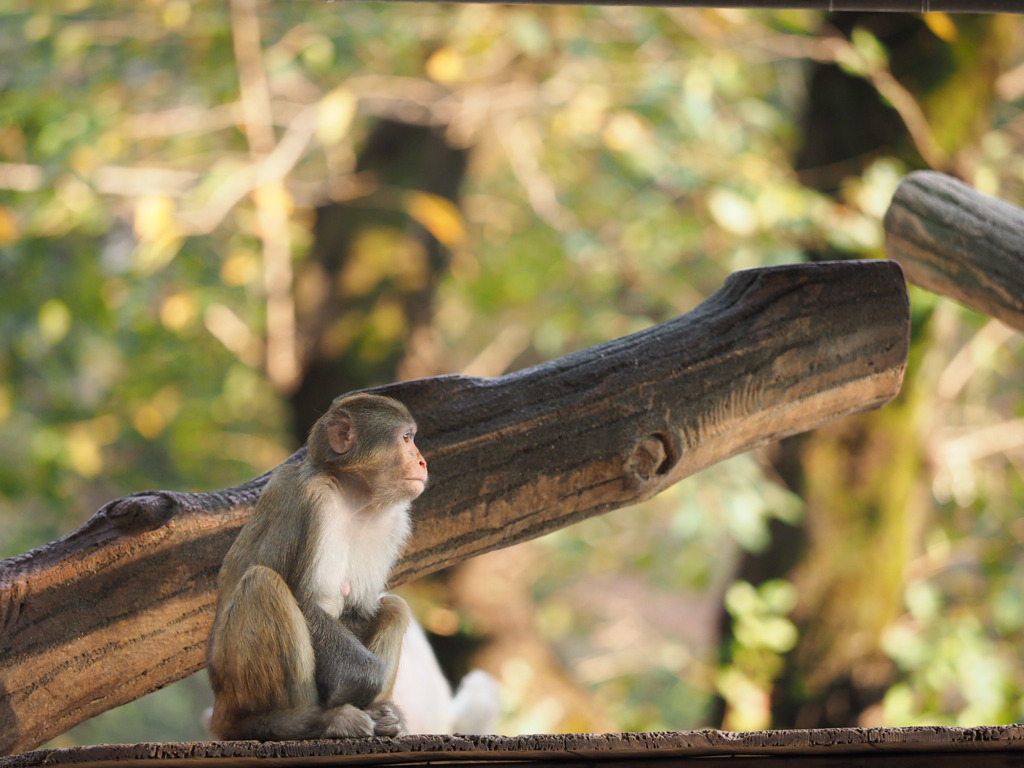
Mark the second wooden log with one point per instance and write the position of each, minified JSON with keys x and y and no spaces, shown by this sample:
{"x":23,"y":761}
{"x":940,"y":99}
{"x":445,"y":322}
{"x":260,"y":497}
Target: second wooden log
{"x":955,"y":241}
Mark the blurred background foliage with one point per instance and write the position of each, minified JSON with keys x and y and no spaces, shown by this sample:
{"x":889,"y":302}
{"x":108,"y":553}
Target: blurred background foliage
{"x":169,"y":171}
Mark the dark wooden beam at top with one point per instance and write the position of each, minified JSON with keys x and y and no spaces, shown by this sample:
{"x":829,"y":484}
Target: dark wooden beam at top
{"x":894,"y":6}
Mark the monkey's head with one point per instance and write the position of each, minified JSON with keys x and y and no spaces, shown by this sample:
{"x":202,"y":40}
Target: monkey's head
{"x":370,"y":440}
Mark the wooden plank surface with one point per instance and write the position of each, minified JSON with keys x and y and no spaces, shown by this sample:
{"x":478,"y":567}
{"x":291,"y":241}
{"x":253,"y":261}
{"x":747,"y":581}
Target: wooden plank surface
{"x":123,"y":605}
{"x":925,"y":745}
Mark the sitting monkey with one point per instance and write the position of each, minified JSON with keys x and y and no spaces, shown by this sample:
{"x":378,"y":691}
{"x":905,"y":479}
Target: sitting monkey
{"x":305,"y":644}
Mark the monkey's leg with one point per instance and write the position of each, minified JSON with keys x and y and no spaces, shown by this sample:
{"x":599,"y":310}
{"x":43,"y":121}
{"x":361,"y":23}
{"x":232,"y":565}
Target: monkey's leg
{"x":348,"y":675}
{"x":357,"y":661}
{"x":347,"y":672}
{"x":262,"y":667}
{"x":384,"y":638}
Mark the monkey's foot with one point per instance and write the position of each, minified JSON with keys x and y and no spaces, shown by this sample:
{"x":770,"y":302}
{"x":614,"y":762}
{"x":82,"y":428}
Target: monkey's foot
{"x":347,"y":721}
{"x":387,"y":720}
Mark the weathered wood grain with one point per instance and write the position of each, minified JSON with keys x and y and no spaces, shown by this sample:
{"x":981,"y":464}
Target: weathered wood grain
{"x":122,"y":606}
{"x":924,"y":746}
{"x":960,"y":243}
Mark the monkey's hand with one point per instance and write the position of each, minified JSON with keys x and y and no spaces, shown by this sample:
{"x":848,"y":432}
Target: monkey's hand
{"x":387,"y":720}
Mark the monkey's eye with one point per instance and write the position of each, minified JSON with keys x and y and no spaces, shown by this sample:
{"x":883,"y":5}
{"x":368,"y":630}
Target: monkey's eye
{"x":408,"y":436}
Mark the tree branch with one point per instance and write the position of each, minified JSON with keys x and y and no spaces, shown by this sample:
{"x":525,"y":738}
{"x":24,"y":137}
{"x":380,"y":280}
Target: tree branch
{"x":123,"y":605}
{"x":960,"y":243}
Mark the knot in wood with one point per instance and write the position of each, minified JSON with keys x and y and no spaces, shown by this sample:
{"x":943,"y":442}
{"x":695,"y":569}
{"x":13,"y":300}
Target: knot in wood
{"x":141,"y":512}
{"x":652,"y":456}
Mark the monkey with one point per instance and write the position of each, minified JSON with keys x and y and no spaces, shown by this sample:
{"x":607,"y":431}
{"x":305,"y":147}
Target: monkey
{"x":305,"y":644}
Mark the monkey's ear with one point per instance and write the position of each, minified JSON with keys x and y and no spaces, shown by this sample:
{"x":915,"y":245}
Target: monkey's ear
{"x":341,"y":434}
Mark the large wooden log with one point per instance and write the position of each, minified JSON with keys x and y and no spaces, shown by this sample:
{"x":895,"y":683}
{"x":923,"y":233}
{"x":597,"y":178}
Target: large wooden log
{"x":122,"y":606}
{"x":960,"y":243}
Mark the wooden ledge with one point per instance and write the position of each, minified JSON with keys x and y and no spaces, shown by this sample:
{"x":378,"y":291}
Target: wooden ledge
{"x":923,"y":745}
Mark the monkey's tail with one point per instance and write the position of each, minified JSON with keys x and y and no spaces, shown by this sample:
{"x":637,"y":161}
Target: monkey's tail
{"x":477,"y":704}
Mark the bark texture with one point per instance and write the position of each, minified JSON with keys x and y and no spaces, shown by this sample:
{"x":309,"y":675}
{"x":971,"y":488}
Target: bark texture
{"x":122,"y":606}
{"x":960,"y":243}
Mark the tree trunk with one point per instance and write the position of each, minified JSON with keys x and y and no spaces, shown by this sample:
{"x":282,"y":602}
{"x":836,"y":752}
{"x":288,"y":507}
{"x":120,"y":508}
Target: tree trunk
{"x":863,"y":479}
{"x":366,"y":294}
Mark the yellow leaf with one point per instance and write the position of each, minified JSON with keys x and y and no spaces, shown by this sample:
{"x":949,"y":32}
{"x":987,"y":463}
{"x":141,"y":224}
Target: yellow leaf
{"x":387,"y":325}
{"x":84,"y":453}
{"x":625,"y":132}
{"x":178,"y":311}
{"x":334,"y":116}
{"x":54,"y":320}
{"x":241,"y":267}
{"x":274,"y":196}
{"x":74,"y":193}
{"x":367,"y":264}
{"x":84,"y":159}
{"x":442,"y":621}
{"x":39,"y":26}
{"x":438,"y":215}
{"x":104,"y":429}
{"x":155,"y":254}
{"x":177,"y":14}
{"x":153,"y":216}
{"x":5,"y":403}
{"x":445,"y":65}
{"x":8,"y":226}
{"x":732,"y":212}
{"x":152,"y":418}
{"x":148,"y":421}
{"x":942,"y":25}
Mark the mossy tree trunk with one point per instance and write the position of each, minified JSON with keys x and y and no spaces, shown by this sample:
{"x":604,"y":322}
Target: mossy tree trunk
{"x":865,"y":480}
{"x":365,"y":297}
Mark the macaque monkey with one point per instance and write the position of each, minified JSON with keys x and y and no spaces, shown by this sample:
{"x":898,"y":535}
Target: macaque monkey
{"x":305,"y":644}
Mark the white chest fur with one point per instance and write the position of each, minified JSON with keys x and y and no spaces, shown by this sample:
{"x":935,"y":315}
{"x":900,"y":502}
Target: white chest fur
{"x":355,"y":553}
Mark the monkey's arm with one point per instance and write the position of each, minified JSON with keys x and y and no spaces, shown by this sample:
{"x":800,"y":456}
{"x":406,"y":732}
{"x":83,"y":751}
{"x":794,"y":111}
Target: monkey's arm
{"x":347,"y":672}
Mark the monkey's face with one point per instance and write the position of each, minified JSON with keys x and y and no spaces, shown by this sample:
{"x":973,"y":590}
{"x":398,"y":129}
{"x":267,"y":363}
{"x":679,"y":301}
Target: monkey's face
{"x":413,"y":466}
